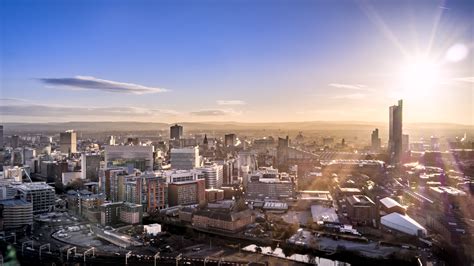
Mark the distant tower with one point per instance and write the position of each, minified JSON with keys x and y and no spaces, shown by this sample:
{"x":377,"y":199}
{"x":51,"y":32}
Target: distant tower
{"x":15,"y":141}
{"x":229,"y":140}
{"x":205,"y":142}
{"x":283,"y":153}
{"x":176,"y":132}
{"x":375,"y":140}
{"x":395,"y":132}
{"x":1,"y":136}
{"x":111,"y":140}
{"x":68,"y":142}
{"x":405,"y":142}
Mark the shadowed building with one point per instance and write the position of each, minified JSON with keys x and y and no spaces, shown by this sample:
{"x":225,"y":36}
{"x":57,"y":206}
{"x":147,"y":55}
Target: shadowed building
{"x":68,"y":142}
{"x":176,"y":132}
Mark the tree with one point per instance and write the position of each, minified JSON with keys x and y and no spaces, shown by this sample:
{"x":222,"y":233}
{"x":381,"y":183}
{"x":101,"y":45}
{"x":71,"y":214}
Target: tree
{"x":76,"y":184}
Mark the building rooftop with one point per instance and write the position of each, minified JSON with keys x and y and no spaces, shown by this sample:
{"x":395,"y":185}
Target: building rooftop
{"x":225,"y":215}
{"x":315,"y":195}
{"x":390,"y":203}
{"x":14,"y":202}
{"x":34,"y":186}
{"x":402,"y":223}
{"x":350,"y":189}
{"x":323,"y":214}
{"x":185,"y":182}
{"x":273,"y":205}
{"x":448,"y":190}
{"x":360,"y":200}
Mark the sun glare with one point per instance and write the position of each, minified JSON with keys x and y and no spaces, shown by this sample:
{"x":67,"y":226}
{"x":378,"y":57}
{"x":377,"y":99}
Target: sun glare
{"x":419,"y":78}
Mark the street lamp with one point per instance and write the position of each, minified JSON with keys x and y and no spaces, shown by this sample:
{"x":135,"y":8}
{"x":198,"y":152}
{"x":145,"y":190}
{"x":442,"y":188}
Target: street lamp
{"x":157,"y":256}
{"x":43,"y":247}
{"x":127,"y":256}
{"x":178,"y":258}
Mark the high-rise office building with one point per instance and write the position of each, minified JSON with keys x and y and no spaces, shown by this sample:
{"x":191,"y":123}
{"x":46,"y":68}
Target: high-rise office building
{"x":229,"y":140}
{"x":176,"y":132}
{"x":375,"y":140}
{"x":90,"y":164}
{"x":15,"y":141}
{"x":395,"y":132}
{"x":68,"y":142}
{"x":185,"y":158}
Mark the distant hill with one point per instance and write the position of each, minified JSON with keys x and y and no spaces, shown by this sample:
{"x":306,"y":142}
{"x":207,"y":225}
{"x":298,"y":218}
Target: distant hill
{"x":226,"y":126}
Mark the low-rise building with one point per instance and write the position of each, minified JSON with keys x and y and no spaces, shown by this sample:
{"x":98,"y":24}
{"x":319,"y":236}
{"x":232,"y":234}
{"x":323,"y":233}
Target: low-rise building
{"x":131,"y":213}
{"x":213,"y":195}
{"x":389,"y":205}
{"x":16,"y":213}
{"x":403,"y":223}
{"x":226,"y":220}
{"x":267,"y":183}
{"x":361,"y":210}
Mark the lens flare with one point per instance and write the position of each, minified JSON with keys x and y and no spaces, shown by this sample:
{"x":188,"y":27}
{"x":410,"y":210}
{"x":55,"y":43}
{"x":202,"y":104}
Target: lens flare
{"x":457,"y":53}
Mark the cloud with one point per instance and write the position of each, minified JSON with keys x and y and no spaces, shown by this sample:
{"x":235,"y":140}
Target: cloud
{"x":213,"y":112}
{"x":36,"y":110}
{"x":359,"y":87}
{"x":465,"y":79}
{"x":230,"y":102}
{"x":352,"y":96}
{"x":13,"y":100}
{"x":92,"y":83}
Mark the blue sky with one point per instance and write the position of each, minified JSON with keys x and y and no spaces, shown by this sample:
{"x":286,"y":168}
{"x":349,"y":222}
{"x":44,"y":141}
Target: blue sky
{"x":231,"y":60}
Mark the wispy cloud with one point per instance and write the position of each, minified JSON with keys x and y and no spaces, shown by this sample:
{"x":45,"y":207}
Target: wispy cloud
{"x":92,"y":83}
{"x":230,"y":102}
{"x":352,"y":96}
{"x":12,"y":100}
{"x":37,"y":110}
{"x":214,"y":112}
{"x":465,"y":79}
{"x":359,"y":87}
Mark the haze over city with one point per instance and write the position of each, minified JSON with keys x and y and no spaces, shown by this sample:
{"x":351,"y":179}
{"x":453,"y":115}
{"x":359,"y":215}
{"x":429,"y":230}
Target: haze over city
{"x":243,"y":133}
{"x":246,"y":61}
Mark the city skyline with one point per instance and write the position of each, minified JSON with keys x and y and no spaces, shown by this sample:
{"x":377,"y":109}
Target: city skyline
{"x":236,"y":61}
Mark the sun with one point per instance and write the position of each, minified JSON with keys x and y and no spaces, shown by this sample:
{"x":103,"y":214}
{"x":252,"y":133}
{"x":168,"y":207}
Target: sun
{"x":419,"y":77}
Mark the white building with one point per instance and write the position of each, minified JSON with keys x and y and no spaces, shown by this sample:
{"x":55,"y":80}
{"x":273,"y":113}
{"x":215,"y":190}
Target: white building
{"x":173,"y":176}
{"x":152,"y":229}
{"x":213,"y":174}
{"x":15,"y":173}
{"x":403,"y":223}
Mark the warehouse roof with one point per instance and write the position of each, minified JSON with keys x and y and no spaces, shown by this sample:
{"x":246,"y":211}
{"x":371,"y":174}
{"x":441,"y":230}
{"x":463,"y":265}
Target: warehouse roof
{"x":403,"y":223}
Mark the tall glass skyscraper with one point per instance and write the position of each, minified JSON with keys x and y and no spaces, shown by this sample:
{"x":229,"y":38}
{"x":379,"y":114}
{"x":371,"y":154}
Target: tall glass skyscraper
{"x":395,"y":132}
